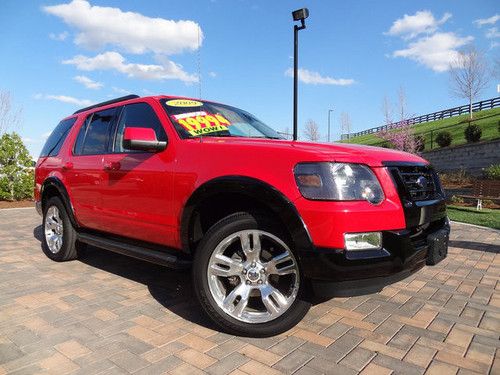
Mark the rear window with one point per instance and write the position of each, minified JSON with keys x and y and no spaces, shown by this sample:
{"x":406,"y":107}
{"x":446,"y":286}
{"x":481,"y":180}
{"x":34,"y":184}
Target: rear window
{"x":94,"y":135}
{"x":56,"y":139}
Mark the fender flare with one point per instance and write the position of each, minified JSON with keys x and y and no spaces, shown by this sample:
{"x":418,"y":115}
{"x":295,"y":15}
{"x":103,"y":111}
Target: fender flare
{"x":264,"y":193}
{"x":54,"y":182}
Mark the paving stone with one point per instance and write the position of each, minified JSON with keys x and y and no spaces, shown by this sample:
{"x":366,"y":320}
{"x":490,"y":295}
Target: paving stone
{"x":227,"y":364}
{"x":293,"y":361}
{"x":115,"y":315}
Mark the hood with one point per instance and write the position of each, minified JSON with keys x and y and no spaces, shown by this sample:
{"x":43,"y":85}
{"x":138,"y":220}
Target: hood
{"x":312,"y":151}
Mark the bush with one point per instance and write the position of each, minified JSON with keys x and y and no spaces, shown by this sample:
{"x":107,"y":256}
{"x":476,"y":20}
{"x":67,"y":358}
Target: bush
{"x":16,"y":169}
{"x":443,"y":138}
{"x":460,"y":177}
{"x":420,"y":143}
{"x":473,"y":133}
{"x":457,"y":199}
{"x":492,"y":172}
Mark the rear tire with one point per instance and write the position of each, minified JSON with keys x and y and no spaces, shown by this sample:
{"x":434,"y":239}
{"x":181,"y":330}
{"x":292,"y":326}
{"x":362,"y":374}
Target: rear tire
{"x":59,"y":236}
{"x":247,"y":277}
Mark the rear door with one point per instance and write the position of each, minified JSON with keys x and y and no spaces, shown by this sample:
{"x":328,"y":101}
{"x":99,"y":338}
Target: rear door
{"x":137,"y":185}
{"x":85,"y":173}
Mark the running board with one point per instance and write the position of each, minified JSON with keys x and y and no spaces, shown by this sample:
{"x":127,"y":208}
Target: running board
{"x":143,"y":253}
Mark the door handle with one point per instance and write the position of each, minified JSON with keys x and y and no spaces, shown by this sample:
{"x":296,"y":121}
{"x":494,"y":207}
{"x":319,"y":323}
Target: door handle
{"x":67,"y":165}
{"x":112,"y":166}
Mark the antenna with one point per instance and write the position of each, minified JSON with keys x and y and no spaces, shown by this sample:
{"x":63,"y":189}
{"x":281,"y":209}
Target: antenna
{"x":199,"y":64}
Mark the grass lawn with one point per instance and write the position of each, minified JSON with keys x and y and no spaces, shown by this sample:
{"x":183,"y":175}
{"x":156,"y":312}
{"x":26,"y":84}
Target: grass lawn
{"x":488,"y":120}
{"x":485,"y":217}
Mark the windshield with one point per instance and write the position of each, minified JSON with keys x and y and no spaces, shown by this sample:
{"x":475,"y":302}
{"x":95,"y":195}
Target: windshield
{"x":193,"y":118}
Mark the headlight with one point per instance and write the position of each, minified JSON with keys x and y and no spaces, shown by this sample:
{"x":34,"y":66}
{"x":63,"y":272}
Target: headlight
{"x":338,"y":181}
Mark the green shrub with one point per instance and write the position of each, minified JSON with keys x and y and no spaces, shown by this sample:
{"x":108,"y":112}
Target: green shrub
{"x":492,"y":172}
{"x":16,"y":169}
{"x":473,"y":133}
{"x":443,"y":138}
{"x":457,"y":199}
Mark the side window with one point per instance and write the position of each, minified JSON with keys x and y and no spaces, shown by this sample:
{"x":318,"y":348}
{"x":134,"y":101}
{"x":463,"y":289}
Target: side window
{"x":96,"y":133}
{"x":56,"y":139}
{"x":138,"y":115}
{"x":77,"y":150}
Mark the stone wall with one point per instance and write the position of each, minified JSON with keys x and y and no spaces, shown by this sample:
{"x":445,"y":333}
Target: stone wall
{"x":470,"y":157}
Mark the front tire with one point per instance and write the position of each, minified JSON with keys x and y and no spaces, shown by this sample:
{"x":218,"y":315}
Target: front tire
{"x":59,"y":236}
{"x":247,"y":277}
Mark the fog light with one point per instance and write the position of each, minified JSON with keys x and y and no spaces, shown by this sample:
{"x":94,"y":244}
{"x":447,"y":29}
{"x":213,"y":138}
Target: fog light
{"x":363,"y":241}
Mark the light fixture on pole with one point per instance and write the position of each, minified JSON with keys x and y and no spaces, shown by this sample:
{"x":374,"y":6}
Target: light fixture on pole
{"x":329,"y":111}
{"x":298,"y":15}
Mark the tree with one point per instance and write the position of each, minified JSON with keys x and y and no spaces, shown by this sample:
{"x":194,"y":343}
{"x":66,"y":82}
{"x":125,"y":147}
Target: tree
{"x":402,"y":106}
{"x":402,"y":137}
{"x":468,"y":75}
{"x":387,"y":110}
{"x":400,"y":134}
{"x":16,"y":168}
{"x":345,"y":123}
{"x":9,"y":117}
{"x":311,"y":132}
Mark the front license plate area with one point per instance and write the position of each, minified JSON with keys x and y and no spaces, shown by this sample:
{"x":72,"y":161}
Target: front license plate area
{"x":437,"y":246}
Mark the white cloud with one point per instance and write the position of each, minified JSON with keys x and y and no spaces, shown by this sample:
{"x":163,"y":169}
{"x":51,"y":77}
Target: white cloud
{"x":59,"y":37}
{"x":66,"y":99}
{"x":422,"y":22}
{"x":132,"y":32}
{"x":88,"y":83}
{"x":121,"y":91}
{"x":314,"y":78}
{"x":212,"y":74}
{"x":115,"y":61}
{"x":487,"y":21}
{"x":436,"y":51}
{"x":492,"y":33}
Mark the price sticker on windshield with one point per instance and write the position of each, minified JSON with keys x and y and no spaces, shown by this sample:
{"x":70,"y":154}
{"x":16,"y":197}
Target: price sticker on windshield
{"x":201,"y":122}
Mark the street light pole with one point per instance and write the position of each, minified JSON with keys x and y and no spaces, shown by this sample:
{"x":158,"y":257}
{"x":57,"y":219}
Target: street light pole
{"x":329,"y":111}
{"x":298,"y":15}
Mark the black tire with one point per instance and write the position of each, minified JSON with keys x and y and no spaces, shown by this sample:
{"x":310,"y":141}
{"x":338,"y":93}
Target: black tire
{"x":68,"y":250}
{"x":219,"y":231}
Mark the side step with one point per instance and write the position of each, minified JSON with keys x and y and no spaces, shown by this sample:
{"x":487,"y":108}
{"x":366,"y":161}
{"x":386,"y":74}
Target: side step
{"x":143,"y":253}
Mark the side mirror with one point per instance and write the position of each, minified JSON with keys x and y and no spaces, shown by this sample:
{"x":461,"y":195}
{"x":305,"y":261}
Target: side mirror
{"x":142,"y":139}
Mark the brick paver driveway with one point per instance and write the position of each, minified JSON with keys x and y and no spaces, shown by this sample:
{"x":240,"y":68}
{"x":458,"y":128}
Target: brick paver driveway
{"x":110,"y":314}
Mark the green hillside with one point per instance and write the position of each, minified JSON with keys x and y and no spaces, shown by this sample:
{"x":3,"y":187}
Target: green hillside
{"x":488,"y":120}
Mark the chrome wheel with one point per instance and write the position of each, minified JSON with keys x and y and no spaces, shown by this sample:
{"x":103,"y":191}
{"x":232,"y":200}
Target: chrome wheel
{"x":53,"y":229}
{"x":253,"y":276}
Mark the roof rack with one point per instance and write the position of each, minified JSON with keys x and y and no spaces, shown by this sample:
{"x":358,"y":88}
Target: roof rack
{"x":112,"y":101}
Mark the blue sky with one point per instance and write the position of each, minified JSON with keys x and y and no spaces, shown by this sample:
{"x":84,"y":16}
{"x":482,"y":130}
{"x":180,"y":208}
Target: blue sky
{"x":57,"y":56}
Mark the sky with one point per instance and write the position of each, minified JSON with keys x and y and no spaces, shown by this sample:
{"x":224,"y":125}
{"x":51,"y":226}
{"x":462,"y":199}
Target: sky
{"x":57,"y":56}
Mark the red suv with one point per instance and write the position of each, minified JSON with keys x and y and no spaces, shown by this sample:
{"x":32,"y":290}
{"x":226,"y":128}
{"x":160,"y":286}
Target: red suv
{"x":263,"y":222}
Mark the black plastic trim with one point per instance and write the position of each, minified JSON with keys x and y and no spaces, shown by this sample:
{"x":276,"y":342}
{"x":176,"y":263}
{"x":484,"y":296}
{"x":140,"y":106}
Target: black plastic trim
{"x":405,"y":250}
{"x":62,"y":193}
{"x":264,"y":193}
{"x":163,"y":257}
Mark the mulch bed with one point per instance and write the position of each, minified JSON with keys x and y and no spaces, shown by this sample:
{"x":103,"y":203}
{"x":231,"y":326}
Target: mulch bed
{"x":16,"y":204}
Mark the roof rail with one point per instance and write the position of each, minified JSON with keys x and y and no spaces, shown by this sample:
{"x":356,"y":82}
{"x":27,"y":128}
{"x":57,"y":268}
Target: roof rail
{"x":117,"y":100}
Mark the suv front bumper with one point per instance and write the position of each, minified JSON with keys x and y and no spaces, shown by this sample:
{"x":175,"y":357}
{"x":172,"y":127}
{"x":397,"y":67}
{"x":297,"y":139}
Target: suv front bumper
{"x":406,"y":251}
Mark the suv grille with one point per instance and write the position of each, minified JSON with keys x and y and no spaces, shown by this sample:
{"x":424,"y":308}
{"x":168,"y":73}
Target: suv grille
{"x":416,"y":183}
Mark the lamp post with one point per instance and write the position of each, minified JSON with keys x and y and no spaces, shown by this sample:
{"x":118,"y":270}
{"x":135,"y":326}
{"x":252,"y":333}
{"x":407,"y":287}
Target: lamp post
{"x":298,"y":15}
{"x":329,"y":111}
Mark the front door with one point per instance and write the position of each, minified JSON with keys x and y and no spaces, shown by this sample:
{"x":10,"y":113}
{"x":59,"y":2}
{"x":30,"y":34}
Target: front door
{"x":137,"y":185}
